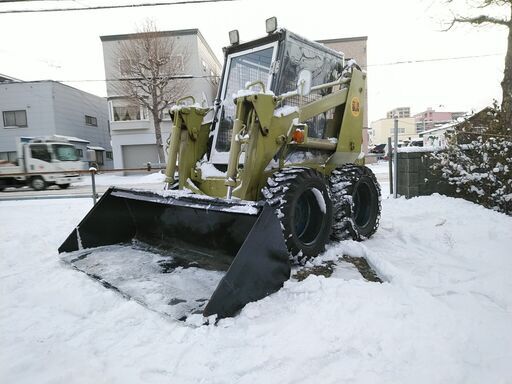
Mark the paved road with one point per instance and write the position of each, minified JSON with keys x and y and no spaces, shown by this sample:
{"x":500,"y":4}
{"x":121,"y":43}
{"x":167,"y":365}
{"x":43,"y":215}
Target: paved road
{"x":84,"y":191}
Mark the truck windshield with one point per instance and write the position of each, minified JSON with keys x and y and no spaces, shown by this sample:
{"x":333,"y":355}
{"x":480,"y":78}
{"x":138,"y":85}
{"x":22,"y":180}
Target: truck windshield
{"x":243,"y":69}
{"x":65,"y":152}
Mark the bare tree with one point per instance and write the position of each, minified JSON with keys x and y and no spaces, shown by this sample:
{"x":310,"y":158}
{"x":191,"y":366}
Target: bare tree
{"x":151,"y":67}
{"x":506,"y":84}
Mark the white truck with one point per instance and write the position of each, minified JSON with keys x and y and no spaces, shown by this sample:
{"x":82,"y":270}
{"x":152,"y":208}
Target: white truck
{"x":38,"y":155}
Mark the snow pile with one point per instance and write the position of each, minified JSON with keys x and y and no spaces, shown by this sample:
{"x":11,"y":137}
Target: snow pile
{"x":109,"y":179}
{"x":443,"y":314}
{"x":413,"y":149}
{"x":178,"y":107}
{"x":254,"y":90}
{"x":209,"y":170}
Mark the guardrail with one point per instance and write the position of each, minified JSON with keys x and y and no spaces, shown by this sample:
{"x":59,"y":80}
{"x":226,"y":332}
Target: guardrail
{"x":92,"y":172}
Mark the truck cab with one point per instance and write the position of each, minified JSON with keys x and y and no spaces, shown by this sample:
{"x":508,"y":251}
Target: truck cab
{"x":37,"y":156}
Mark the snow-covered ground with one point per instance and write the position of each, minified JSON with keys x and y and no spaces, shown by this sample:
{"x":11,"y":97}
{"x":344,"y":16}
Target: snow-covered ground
{"x":109,"y":179}
{"x":442,"y":315}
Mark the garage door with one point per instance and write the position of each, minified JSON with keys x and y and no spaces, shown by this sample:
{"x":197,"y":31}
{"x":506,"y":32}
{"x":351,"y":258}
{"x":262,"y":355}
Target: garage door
{"x":137,"y":156}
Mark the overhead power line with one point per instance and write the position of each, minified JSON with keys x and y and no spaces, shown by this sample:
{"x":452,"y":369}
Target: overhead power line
{"x":434,"y":59}
{"x":27,"y":1}
{"x":100,"y":7}
{"x":177,"y":77}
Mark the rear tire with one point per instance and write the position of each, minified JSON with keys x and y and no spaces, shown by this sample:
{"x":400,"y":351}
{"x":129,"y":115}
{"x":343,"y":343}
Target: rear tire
{"x":303,"y":204}
{"x":356,"y":200}
{"x":63,"y":186}
{"x":38,"y":184}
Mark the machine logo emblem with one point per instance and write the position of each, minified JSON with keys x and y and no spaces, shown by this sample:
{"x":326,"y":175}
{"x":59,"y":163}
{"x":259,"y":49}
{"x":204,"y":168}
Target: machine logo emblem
{"x":355,"y":106}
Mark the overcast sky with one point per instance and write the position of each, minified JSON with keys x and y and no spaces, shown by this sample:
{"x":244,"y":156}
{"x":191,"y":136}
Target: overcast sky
{"x":66,"y":45}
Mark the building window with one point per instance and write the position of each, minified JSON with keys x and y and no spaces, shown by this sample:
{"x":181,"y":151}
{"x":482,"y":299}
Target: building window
{"x":109,"y":155}
{"x":176,"y":64}
{"x":99,"y":157}
{"x":126,"y":113}
{"x":91,"y":120}
{"x":15,"y":118}
{"x":80,"y":152}
{"x":127,"y":66}
{"x":400,"y":130}
{"x":213,"y":77}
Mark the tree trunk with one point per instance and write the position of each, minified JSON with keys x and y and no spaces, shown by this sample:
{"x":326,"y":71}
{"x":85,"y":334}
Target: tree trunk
{"x":156,"y":124}
{"x":506,"y":84}
{"x":158,"y":137}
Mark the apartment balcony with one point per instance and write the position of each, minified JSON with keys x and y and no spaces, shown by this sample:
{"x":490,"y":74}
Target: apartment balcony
{"x":130,"y":125}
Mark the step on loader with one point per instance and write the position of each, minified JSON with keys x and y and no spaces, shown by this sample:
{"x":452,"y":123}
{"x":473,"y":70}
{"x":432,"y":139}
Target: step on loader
{"x":274,"y":177}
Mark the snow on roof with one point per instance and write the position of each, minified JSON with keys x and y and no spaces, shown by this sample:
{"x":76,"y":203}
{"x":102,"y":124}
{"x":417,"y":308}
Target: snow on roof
{"x":8,"y":79}
{"x":440,"y":128}
{"x":71,"y":138}
{"x":419,"y":149}
{"x":96,"y":148}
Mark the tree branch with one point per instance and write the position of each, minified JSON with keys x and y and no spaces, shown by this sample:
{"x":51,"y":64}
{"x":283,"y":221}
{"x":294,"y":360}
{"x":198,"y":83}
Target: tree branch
{"x":478,"y":20}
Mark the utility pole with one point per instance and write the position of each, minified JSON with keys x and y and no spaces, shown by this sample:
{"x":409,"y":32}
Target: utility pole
{"x":390,"y":163}
{"x":395,"y":160}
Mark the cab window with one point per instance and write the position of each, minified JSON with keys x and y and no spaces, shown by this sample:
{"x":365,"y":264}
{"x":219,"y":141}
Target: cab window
{"x":40,"y":152}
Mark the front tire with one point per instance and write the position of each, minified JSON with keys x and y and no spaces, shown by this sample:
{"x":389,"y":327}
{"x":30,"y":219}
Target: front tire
{"x":356,"y":199}
{"x":38,"y":184}
{"x":302,"y":201}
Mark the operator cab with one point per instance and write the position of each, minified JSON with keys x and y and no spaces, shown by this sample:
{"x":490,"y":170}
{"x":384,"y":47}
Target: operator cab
{"x":276,"y":60}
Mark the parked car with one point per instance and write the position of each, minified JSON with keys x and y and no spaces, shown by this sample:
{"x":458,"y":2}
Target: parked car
{"x":416,"y":143}
{"x":379,"y":149}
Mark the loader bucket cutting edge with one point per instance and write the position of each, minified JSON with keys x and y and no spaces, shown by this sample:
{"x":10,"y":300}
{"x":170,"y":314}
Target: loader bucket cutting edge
{"x":213,"y":234}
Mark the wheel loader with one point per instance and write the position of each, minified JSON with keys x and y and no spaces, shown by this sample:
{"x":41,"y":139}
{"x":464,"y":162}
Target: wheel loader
{"x":273,"y":177}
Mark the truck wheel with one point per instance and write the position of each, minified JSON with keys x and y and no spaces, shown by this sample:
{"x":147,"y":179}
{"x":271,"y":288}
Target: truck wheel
{"x":303,"y":204}
{"x":63,"y":186}
{"x":38,"y":183}
{"x":356,"y":199}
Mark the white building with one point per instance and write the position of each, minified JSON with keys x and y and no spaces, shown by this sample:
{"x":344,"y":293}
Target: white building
{"x":47,"y":108}
{"x":133,"y":135}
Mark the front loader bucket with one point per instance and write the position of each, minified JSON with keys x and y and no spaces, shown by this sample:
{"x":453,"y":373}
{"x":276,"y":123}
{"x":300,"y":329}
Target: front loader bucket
{"x":147,"y":244}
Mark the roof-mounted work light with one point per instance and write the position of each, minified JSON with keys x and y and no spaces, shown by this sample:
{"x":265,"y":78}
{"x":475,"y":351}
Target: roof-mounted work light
{"x":271,"y":24}
{"x":234,"y":37}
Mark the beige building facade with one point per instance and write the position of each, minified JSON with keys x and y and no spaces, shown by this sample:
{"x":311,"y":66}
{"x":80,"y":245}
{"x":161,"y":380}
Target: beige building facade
{"x":354,"y":48}
{"x":384,"y":128}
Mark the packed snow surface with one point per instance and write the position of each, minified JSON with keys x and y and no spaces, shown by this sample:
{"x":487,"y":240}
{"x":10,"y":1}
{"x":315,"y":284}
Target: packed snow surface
{"x":442,"y":315}
{"x":176,"y":293}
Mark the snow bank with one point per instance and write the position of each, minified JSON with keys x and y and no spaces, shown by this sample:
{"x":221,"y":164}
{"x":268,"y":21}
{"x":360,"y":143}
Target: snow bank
{"x":419,"y":149}
{"x":109,"y":179}
{"x":443,"y":314}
